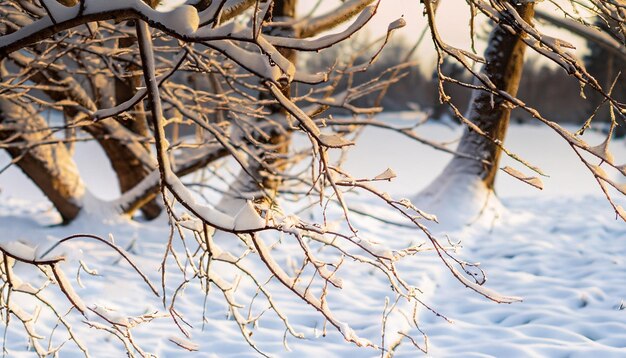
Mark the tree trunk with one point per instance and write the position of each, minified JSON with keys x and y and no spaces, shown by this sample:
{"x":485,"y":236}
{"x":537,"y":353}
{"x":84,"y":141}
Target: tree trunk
{"x":50,"y":166}
{"x":462,"y":191}
{"x":284,"y":10}
{"x":128,"y":168}
{"x":277,"y":142}
{"x":505,"y":62}
{"x":129,"y":158}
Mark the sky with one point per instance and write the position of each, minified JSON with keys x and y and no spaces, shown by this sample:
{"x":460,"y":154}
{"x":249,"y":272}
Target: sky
{"x":411,"y":11}
{"x":452,"y":19}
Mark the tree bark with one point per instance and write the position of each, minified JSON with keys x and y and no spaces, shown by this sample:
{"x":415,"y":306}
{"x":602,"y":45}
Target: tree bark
{"x":505,"y":62}
{"x":462,"y":191}
{"x":278,"y":141}
{"x":129,"y":158}
{"x":50,"y":166}
{"x":284,"y":10}
{"x":129,"y":170}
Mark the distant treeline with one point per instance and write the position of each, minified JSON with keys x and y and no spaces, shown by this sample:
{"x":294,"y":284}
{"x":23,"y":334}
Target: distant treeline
{"x":545,"y":87}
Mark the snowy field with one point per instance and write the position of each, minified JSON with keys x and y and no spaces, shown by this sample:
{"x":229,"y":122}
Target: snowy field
{"x":561,"y":250}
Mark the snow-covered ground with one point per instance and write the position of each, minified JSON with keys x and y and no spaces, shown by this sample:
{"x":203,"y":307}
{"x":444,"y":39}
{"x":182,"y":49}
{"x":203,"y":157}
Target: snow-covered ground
{"x":561,"y":250}
{"x":567,"y":258}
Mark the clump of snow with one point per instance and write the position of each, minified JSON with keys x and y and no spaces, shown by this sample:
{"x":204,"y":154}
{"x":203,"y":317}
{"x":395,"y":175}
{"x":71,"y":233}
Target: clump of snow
{"x":248,"y":217}
{"x":20,"y":249}
{"x":183,"y":343}
{"x":192,"y":224}
{"x":183,"y":19}
{"x":111,"y":316}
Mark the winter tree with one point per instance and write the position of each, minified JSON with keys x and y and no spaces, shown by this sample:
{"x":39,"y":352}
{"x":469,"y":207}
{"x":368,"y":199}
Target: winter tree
{"x":473,"y":169}
{"x":187,"y":91}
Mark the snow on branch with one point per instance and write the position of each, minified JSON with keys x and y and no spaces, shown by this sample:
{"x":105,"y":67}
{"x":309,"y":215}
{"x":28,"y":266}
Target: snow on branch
{"x":328,"y":40}
{"x":310,"y":27}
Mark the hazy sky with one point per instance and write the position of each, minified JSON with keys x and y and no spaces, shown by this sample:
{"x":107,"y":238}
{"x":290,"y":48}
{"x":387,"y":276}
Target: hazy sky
{"x":411,"y":10}
{"x":452,"y":19}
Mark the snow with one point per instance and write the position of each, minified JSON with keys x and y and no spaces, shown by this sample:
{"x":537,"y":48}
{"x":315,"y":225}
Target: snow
{"x":458,"y":190}
{"x":247,"y":218}
{"x":19,"y":249}
{"x":184,"y":19}
{"x":68,"y":290}
{"x":190,"y":346}
{"x":560,"y":250}
{"x":566,"y":258}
